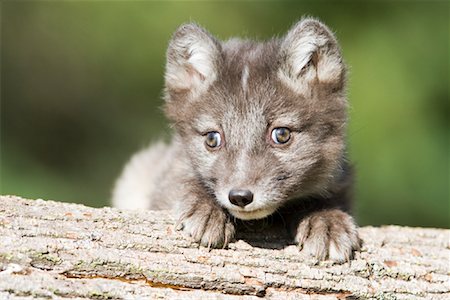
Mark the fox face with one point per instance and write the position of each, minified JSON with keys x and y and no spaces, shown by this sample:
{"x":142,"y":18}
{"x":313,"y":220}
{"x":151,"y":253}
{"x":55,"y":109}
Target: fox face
{"x":262,"y":123}
{"x":259,"y":128}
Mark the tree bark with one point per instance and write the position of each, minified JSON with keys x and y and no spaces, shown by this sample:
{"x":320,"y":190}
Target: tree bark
{"x":59,"y":250}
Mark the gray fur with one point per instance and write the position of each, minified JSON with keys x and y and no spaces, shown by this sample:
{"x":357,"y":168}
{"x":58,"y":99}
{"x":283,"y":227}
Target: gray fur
{"x":243,"y":89}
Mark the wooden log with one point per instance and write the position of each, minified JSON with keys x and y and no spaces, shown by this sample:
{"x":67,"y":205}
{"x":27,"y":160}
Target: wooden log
{"x":54,"y":250}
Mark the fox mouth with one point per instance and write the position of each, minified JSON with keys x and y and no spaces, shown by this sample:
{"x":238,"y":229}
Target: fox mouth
{"x":252,"y":214}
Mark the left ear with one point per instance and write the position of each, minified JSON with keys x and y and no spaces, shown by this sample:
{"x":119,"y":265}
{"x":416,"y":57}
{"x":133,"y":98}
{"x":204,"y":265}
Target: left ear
{"x":193,"y":56}
{"x":310,"y":54}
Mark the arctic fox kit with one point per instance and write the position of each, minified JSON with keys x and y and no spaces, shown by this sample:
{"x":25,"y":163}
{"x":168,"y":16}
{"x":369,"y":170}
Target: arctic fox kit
{"x":259,"y":129}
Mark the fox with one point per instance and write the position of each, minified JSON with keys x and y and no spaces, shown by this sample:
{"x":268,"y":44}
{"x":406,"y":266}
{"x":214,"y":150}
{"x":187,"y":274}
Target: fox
{"x":259,"y":129}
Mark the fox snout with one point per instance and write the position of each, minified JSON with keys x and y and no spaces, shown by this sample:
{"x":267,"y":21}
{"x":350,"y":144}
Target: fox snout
{"x":240,"y":198}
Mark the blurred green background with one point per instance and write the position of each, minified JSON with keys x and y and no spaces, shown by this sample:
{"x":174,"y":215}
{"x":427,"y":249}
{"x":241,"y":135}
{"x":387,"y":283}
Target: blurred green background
{"x":81,"y":85}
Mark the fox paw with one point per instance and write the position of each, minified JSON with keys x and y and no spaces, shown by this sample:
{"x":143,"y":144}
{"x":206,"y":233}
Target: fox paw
{"x":209,"y":226}
{"x":328,"y":234}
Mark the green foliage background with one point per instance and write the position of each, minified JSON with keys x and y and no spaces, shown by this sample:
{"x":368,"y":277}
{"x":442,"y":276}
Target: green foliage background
{"x":81,"y":86}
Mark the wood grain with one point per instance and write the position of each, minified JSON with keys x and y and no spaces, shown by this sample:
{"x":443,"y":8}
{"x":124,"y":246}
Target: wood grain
{"x":54,"y":250}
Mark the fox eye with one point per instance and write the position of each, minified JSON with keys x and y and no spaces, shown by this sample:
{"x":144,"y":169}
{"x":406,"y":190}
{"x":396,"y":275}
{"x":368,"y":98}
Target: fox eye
{"x":281,"y":135}
{"x":213,"y":139}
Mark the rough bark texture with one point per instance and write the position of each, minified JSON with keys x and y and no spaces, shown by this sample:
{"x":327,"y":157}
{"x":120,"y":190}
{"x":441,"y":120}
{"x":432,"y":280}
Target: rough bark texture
{"x":59,"y":250}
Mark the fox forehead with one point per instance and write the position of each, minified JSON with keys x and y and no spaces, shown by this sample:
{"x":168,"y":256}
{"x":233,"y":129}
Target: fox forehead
{"x":247,"y":64}
{"x":248,"y":119}
{"x":248,"y":101}
{"x":248,"y":97}
{"x":246,"y":105}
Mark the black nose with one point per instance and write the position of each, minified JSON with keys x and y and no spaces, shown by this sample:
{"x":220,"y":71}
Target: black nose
{"x":240,"y":197}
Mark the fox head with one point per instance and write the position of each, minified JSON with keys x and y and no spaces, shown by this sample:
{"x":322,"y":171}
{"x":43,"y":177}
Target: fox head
{"x":262,"y":123}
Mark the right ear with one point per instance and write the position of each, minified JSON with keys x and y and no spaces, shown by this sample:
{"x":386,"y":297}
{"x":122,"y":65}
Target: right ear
{"x":192,"y":60}
{"x":309,"y":55}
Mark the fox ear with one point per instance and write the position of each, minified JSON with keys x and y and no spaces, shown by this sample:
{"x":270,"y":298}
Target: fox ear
{"x":310,"y":54}
{"x":192,"y":58}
